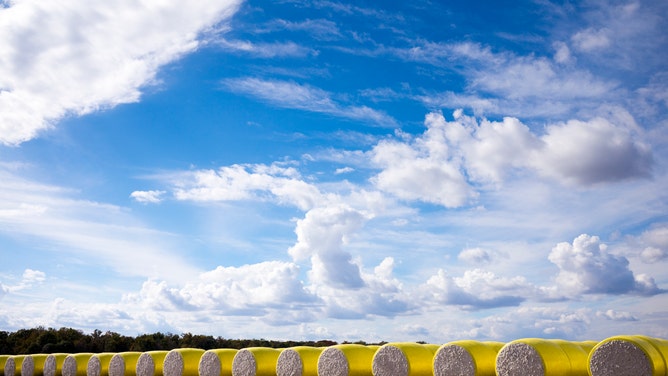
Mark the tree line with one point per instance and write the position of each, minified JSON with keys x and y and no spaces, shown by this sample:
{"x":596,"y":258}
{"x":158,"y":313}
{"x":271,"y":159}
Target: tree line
{"x":42,"y":340}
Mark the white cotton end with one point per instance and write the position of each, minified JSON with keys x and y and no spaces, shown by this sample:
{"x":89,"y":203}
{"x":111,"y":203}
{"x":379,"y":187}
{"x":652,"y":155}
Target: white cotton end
{"x":145,"y":365}
{"x":289,"y":363}
{"x":519,"y":359}
{"x":619,"y":357}
{"x":333,"y":362}
{"x":209,"y":365}
{"x":117,"y":365}
{"x":173,"y":364}
{"x":244,"y":364}
{"x":93,"y":367}
{"x":28,"y":366}
{"x":10,"y":367}
{"x":453,"y":360}
{"x":390,"y":361}
{"x":50,"y":365}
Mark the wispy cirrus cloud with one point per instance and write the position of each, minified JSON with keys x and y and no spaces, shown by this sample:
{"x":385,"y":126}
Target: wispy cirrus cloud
{"x":288,"y":94}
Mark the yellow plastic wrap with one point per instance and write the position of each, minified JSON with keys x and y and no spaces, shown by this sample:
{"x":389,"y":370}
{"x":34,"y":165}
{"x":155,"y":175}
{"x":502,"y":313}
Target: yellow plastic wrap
{"x":3,"y":360}
{"x":53,"y":365}
{"x":13,"y":365}
{"x":357,"y":359}
{"x":37,"y":365}
{"x":557,"y":357}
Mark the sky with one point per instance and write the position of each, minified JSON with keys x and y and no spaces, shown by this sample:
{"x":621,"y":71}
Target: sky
{"x":306,"y":170}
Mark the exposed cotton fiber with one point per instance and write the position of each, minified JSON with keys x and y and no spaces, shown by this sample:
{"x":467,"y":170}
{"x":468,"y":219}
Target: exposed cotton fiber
{"x":255,"y":361}
{"x":33,"y":365}
{"x":347,"y":360}
{"x":542,"y":357}
{"x":629,"y":355}
{"x":466,"y":358}
{"x":150,"y":363}
{"x":76,"y":364}
{"x":182,"y":362}
{"x":124,"y":364}
{"x":53,"y":365}
{"x":298,"y":361}
{"x":403,"y":359}
{"x":216,"y":362}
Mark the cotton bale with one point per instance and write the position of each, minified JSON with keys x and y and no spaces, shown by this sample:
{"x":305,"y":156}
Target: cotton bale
{"x":3,"y":360}
{"x":216,"y":362}
{"x":33,"y":365}
{"x":466,"y":358}
{"x":76,"y":364}
{"x":13,"y":365}
{"x":404,"y":359}
{"x":298,"y":361}
{"x":53,"y":365}
{"x":182,"y":362}
{"x":629,"y":355}
{"x":255,"y":361}
{"x":150,"y":363}
{"x":543,"y":357}
{"x":98,"y":364}
{"x":347,"y":360}
{"x":124,"y":363}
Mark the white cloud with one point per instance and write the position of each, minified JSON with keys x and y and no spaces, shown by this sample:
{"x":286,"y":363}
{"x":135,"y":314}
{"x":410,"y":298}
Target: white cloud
{"x":267,"y":50}
{"x":614,"y":315}
{"x":108,"y":235}
{"x":585,"y":267}
{"x":75,"y":57}
{"x":476,"y":289}
{"x":305,"y":97}
{"x":244,"y":182}
{"x":148,"y":196}
{"x":475,"y":256}
{"x":425,"y":169}
{"x":595,"y":151}
{"x":590,"y":39}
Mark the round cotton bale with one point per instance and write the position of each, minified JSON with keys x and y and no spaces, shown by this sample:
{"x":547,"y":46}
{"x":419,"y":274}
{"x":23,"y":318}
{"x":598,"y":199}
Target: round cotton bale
{"x":298,"y":361}
{"x":124,"y":363}
{"x":33,"y":365}
{"x":53,"y":365}
{"x":76,"y":364}
{"x":466,"y":358}
{"x":542,"y":357}
{"x":216,"y":362}
{"x":3,"y":360}
{"x":182,"y":362}
{"x":150,"y":363}
{"x":255,"y":361}
{"x":629,"y":355}
{"x":403,"y":359}
{"x":13,"y":365}
{"x":347,"y":360}
{"x":98,"y":364}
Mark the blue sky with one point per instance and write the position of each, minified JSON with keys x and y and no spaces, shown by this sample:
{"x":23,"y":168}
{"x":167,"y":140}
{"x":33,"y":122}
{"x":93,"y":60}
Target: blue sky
{"x":330,"y":170}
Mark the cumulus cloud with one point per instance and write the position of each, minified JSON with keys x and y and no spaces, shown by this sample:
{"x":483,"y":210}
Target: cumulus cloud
{"x":476,"y":289}
{"x":614,"y":315}
{"x":595,"y":151}
{"x":475,"y":255}
{"x":591,"y":39}
{"x":424,"y":168}
{"x":585,"y":267}
{"x":243,"y":182}
{"x":654,"y":244}
{"x":75,"y":57}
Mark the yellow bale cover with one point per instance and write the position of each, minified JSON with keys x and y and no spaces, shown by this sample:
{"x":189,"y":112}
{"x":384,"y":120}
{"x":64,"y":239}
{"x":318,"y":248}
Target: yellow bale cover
{"x":480,"y":357}
{"x":622,"y":353}
{"x":222,"y":366}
